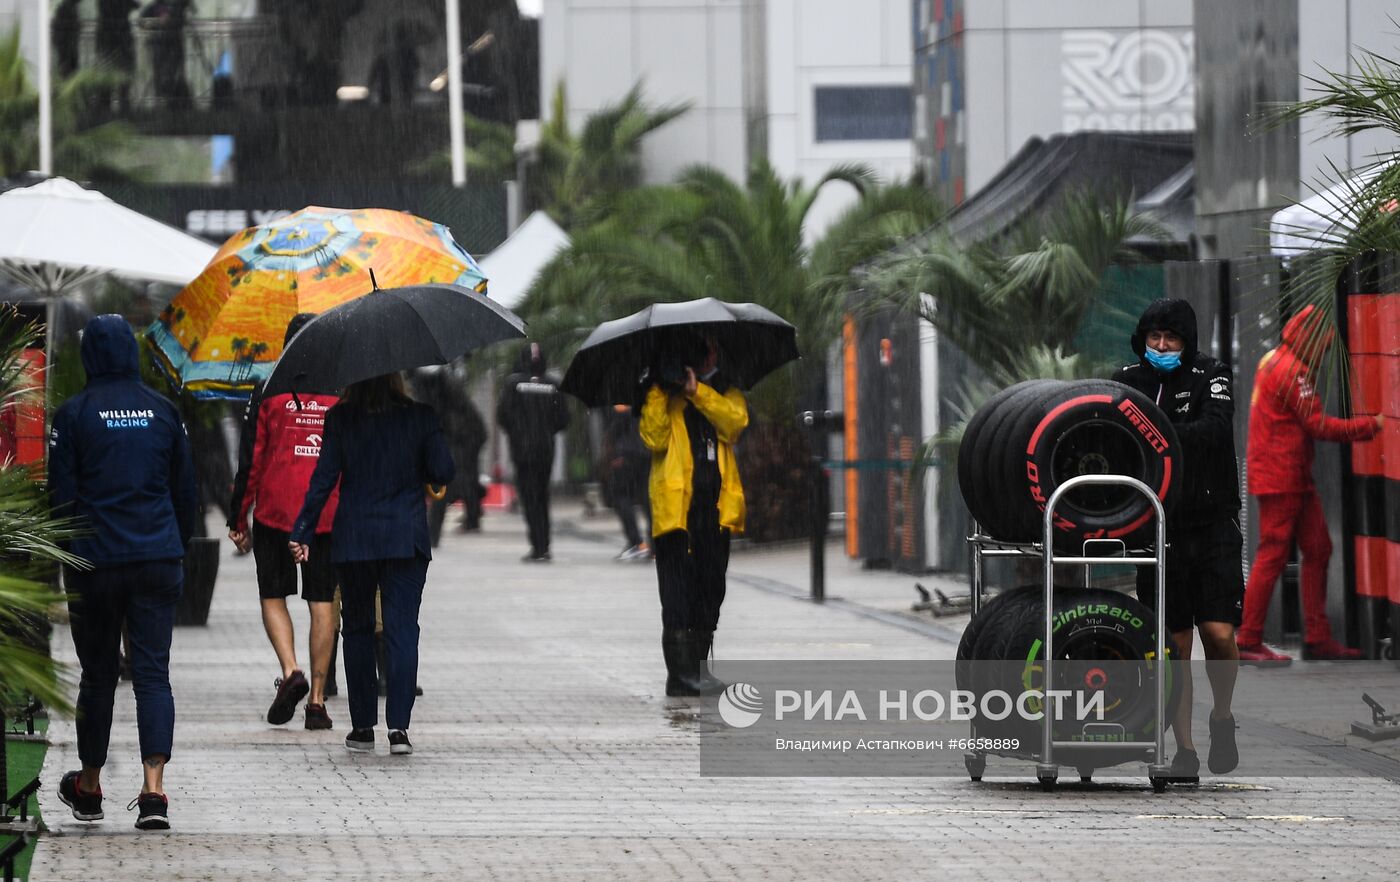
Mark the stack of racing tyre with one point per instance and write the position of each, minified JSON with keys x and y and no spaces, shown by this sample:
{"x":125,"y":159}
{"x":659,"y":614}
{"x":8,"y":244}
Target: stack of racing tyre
{"x":1016,"y":451}
{"x":1105,"y":641}
{"x":1028,"y":439}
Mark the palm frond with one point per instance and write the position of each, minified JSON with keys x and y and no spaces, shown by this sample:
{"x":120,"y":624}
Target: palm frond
{"x":1360,"y":205}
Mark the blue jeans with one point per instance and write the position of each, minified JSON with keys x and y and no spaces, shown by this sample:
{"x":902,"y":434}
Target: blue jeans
{"x":400,"y":586}
{"x":142,"y":596}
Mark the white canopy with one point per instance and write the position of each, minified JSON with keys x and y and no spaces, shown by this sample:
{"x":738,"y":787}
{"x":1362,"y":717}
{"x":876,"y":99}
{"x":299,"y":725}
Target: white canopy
{"x":512,"y":267}
{"x":1312,"y":223}
{"x":56,"y":233}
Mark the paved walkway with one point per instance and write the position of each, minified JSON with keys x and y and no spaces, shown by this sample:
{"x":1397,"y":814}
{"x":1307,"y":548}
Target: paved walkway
{"x":546,"y":750}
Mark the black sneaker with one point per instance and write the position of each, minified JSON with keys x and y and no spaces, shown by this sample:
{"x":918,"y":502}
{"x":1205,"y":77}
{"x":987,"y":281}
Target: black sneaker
{"x":399,"y":745}
{"x":316,"y":717}
{"x":361,"y":740}
{"x":1186,"y":768}
{"x":154,"y":811}
{"x":290,"y":692}
{"x":1224,"y":755}
{"x":85,"y":806}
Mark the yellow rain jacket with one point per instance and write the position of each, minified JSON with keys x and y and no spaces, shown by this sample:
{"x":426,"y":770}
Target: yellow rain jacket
{"x":664,"y":433}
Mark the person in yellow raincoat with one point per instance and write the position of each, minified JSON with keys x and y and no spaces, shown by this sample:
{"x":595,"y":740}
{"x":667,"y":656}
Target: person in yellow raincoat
{"x":691,"y":419}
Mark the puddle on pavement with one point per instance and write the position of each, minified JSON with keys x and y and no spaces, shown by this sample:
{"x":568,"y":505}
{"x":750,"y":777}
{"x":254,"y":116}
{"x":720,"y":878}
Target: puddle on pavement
{"x":692,"y":716}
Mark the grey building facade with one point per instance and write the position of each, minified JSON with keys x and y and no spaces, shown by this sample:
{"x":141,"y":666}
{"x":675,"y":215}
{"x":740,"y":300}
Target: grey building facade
{"x":991,"y":74}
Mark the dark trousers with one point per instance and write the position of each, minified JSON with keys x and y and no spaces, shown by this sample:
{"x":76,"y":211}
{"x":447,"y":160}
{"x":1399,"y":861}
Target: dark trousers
{"x":400,"y":586}
{"x":628,"y":491}
{"x":532,"y":481}
{"x":143,"y":596}
{"x":690,"y":570}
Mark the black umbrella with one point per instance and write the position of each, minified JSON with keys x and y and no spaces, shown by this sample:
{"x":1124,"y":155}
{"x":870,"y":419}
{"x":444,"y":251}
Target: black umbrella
{"x":753,"y":342}
{"x":388,"y":330}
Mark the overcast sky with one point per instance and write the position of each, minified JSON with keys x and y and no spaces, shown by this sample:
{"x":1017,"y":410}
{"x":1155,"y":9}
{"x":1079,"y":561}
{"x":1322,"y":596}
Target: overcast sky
{"x":529,"y":7}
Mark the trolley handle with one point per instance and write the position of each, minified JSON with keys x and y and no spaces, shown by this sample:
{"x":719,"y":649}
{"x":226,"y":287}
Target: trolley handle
{"x":1046,"y":766}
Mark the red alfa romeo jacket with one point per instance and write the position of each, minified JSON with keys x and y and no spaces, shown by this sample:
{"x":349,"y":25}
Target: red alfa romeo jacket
{"x":1285,"y":416}
{"x":286,"y":445}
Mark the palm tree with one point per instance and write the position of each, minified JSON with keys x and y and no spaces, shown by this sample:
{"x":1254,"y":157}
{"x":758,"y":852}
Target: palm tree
{"x":490,"y":153}
{"x":573,"y":176}
{"x":707,"y":236}
{"x":30,"y":542}
{"x":1364,"y":210}
{"x":1016,"y":306}
{"x":80,"y":151}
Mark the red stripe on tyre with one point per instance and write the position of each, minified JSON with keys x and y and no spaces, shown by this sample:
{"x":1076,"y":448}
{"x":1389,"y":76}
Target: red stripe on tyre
{"x":1050,"y":417}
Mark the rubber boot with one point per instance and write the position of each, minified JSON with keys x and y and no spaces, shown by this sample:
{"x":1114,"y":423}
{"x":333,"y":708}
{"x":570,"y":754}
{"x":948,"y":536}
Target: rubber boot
{"x":710,"y":681}
{"x":331,"y":689}
{"x":681,"y":649}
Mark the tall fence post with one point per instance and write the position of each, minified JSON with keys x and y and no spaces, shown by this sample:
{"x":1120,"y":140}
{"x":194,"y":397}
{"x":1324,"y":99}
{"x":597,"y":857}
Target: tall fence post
{"x":820,"y":518}
{"x":820,"y":422}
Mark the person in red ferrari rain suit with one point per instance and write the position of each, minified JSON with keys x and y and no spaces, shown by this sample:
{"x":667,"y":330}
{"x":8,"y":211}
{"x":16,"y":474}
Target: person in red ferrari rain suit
{"x":1285,"y":418}
{"x":278,"y":451}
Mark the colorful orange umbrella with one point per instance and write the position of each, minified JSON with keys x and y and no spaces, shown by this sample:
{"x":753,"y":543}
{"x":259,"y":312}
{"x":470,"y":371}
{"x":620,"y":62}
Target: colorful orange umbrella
{"x":223,"y":332}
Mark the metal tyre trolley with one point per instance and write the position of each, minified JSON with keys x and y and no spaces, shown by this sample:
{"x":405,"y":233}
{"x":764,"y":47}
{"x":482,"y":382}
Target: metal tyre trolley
{"x":1078,"y":753}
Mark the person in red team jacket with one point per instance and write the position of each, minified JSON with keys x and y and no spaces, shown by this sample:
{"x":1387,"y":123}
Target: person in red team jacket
{"x":1284,"y":419}
{"x":280,"y":446}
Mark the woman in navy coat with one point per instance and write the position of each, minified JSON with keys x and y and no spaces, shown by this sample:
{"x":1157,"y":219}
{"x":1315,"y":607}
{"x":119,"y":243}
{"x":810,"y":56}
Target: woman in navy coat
{"x":382,"y":447}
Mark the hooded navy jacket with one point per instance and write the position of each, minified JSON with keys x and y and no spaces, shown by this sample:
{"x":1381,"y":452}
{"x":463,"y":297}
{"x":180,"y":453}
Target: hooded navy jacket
{"x":1198,"y":399}
{"x":119,"y":459}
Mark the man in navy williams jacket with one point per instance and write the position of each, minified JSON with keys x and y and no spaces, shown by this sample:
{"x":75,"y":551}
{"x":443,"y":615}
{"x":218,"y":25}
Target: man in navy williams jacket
{"x":383,"y":447}
{"x":119,"y":462}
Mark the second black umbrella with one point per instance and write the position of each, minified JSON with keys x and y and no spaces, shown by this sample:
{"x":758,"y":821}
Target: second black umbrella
{"x":753,"y":342}
{"x":390,"y":330}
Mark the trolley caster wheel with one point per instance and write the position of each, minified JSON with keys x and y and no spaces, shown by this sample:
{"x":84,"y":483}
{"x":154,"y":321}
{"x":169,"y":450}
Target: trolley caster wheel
{"x":1159,"y":785}
{"x":1047,"y":783}
{"x":976,"y":764}
{"x":1086,"y":776}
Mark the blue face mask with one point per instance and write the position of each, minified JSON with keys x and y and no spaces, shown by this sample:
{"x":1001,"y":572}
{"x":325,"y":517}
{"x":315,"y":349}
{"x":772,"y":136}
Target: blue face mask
{"x":1166,"y":362}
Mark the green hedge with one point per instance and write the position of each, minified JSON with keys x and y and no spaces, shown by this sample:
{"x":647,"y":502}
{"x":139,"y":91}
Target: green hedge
{"x":23,"y":761}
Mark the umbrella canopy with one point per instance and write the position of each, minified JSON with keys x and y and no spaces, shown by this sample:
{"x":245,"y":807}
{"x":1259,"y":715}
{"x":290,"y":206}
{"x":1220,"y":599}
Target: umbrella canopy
{"x":56,"y":234}
{"x":222,"y":333}
{"x":390,"y":330}
{"x":1323,"y":219}
{"x":516,"y":262}
{"x":753,"y":342}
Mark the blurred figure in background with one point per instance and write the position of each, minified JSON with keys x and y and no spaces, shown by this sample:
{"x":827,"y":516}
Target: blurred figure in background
{"x":532,"y":411}
{"x":277,"y":452}
{"x":1284,"y":419}
{"x":116,"y":49}
{"x":626,"y":462}
{"x":66,"y":28}
{"x":444,"y":389}
{"x":164,"y":24}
